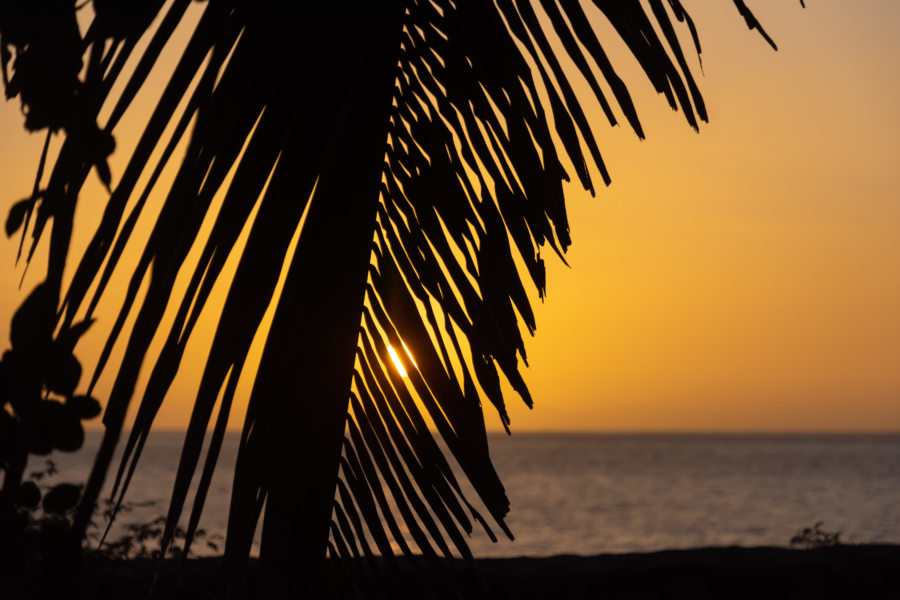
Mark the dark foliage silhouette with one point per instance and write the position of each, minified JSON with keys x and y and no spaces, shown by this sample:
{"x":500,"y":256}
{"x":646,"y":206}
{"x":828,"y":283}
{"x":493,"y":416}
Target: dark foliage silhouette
{"x":40,"y":413}
{"x":421,"y":144}
{"x":815,"y":537}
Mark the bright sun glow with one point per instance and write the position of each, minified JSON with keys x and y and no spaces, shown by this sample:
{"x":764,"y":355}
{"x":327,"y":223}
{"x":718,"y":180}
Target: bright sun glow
{"x":396,"y":359}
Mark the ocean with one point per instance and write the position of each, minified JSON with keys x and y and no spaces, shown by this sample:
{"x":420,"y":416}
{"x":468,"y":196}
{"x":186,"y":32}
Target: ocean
{"x":613,"y":493}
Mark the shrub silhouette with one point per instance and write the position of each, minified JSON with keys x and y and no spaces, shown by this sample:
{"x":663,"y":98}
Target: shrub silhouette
{"x":814,"y":538}
{"x":40,"y":413}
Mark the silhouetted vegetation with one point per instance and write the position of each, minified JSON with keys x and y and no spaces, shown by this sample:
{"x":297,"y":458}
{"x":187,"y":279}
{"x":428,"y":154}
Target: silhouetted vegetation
{"x":424,"y":145}
{"x":138,"y":539}
{"x":815,"y":537}
{"x":40,"y":412}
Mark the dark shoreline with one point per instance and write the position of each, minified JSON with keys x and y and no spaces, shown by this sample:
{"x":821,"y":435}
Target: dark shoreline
{"x":847,"y":571}
{"x":866,"y":571}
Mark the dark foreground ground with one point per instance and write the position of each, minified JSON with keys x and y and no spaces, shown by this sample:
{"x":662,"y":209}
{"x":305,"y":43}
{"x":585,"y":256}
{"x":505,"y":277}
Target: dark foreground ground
{"x":867,"y":571}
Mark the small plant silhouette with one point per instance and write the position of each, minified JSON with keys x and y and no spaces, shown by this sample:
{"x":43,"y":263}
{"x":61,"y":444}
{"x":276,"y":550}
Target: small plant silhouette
{"x":814,"y":538}
{"x":45,"y":515}
{"x":140,"y":539}
{"x":39,"y":413}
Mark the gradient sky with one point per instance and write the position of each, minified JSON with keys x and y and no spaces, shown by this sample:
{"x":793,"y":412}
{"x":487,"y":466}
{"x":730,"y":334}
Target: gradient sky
{"x":746,"y":278}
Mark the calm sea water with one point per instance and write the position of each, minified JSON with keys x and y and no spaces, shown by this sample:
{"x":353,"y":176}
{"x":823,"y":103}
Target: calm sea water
{"x":596,"y":493}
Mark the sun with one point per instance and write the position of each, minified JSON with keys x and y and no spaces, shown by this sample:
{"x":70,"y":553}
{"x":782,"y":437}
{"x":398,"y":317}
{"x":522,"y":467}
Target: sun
{"x":394,"y":357}
{"x":398,"y":363}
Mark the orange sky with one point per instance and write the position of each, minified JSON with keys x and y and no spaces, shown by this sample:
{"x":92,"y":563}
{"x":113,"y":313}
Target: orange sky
{"x":747,"y":278}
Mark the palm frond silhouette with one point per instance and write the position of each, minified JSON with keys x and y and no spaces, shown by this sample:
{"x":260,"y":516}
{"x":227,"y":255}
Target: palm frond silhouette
{"x":418,"y":148}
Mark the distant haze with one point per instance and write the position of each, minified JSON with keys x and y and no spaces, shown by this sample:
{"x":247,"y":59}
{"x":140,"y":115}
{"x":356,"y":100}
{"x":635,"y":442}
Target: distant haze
{"x":746,"y":278}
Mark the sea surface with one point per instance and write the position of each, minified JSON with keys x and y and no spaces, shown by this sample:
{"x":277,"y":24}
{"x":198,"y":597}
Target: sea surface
{"x":601,"y":493}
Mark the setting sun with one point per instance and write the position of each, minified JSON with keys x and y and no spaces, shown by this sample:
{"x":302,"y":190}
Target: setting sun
{"x":400,"y":368}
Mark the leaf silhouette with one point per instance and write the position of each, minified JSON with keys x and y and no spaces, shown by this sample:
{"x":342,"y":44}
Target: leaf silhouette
{"x":84,"y":406}
{"x":33,"y":323}
{"x":64,"y":372}
{"x":17,"y":215}
{"x":29,"y":495}
{"x":61,"y":498}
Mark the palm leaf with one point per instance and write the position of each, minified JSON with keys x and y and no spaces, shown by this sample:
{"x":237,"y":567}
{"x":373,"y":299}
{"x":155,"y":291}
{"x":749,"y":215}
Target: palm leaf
{"x":418,"y":148}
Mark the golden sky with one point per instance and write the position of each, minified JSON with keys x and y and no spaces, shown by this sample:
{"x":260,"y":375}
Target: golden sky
{"x":746,"y":278}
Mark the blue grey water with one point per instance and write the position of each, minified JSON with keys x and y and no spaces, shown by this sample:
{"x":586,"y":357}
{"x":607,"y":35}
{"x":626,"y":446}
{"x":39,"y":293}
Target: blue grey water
{"x":599,"y":493}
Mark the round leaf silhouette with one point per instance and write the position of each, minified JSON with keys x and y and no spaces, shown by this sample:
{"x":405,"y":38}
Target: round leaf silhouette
{"x":70,"y":435}
{"x":84,"y":406}
{"x":55,"y":426}
{"x":17,"y":216}
{"x":61,"y":498}
{"x":63,"y":373}
{"x":29,"y":495}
